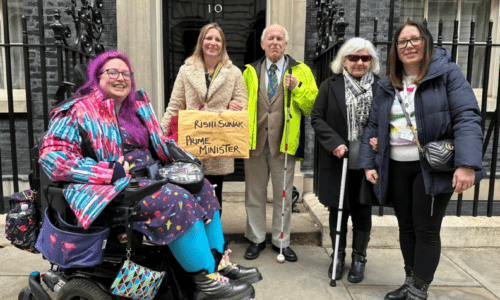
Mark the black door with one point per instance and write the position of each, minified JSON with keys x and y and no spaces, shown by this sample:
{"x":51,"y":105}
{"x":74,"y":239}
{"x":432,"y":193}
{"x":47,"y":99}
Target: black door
{"x":242,"y":21}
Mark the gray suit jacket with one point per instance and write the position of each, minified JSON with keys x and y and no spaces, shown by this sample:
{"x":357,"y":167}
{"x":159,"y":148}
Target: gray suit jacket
{"x":270,"y":122}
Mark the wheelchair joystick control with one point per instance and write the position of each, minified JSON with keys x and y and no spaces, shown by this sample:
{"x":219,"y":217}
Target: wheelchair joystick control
{"x":134,"y":183}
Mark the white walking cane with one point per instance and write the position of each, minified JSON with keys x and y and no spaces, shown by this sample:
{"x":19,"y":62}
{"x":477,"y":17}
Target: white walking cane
{"x":288,"y":116}
{"x":339,"y":217}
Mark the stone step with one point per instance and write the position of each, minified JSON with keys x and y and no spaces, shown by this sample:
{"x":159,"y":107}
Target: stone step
{"x":465,"y":231}
{"x":310,"y":226}
{"x":456,"y":232}
{"x":304,"y":230}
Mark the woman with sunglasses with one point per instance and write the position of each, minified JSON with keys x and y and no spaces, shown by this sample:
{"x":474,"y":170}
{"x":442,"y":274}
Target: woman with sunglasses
{"x":427,"y":88}
{"x":340,"y":114}
{"x":110,"y":132}
{"x":208,"y":81}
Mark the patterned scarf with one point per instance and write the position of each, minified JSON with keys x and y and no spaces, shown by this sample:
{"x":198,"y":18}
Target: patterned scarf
{"x":358,"y":99}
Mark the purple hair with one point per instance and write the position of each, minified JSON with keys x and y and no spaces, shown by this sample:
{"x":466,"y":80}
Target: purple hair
{"x":127,"y":116}
{"x":95,"y":68}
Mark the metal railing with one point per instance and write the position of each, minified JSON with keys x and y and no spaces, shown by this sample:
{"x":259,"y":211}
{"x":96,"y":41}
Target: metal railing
{"x":88,"y":25}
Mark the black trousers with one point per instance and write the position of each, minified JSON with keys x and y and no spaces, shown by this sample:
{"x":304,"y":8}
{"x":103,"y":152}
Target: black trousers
{"x":218,"y":180}
{"x":419,"y":232}
{"x":361,"y":215}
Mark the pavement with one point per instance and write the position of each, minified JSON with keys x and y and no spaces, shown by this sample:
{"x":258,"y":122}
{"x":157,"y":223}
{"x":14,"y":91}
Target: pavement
{"x":469,"y":267}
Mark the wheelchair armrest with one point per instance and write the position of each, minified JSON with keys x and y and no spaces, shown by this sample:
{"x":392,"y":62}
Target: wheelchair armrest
{"x":132,"y":194}
{"x":55,"y":190}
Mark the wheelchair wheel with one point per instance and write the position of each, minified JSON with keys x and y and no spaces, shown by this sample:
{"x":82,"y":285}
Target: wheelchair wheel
{"x":25,"y":291}
{"x":82,"y":289}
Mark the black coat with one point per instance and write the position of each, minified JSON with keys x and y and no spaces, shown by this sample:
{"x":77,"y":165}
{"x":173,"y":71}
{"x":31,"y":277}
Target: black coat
{"x":329,"y":121}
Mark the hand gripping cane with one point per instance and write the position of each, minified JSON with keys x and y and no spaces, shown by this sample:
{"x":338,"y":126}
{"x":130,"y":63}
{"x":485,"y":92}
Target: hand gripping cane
{"x":288,"y":116}
{"x":339,"y":217}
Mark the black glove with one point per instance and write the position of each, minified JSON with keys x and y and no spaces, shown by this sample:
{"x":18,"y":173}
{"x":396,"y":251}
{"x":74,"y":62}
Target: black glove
{"x":118,"y":172}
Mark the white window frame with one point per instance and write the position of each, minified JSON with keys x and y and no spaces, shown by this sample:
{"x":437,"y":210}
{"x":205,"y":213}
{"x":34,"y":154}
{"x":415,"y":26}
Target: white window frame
{"x":19,"y":95}
{"x":495,"y":52}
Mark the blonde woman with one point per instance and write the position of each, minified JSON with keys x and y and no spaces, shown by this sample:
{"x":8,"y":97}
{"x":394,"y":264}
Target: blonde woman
{"x":208,"y":81}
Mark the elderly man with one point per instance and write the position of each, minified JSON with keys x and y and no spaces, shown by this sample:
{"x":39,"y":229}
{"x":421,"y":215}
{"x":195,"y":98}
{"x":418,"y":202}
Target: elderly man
{"x":268,"y":82}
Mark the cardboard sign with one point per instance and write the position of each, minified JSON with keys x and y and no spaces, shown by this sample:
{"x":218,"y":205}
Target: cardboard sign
{"x":210,"y":134}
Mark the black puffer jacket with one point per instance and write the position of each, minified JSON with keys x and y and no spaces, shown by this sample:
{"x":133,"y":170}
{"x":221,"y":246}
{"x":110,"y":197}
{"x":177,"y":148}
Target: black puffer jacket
{"x":445,"y":108}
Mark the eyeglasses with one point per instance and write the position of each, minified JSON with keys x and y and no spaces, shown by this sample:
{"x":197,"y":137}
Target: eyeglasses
{"x":414,"y":41}
{"x":355,"y":58}
{"x":114,"y":74}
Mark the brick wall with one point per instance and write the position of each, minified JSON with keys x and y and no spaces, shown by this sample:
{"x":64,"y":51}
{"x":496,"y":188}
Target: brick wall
{"x":108,"y":39}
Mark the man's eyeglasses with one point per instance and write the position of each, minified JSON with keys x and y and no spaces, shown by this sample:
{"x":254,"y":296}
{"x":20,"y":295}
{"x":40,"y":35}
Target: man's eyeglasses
{"x":114,"y":74}
{"x":414,"y":41}
{"x":355,"y":58}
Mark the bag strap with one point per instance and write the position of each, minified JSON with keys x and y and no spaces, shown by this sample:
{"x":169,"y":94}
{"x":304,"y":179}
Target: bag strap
{"x":49,"y":200}
{"x":408,"y":120}
{"x":128,"y":230}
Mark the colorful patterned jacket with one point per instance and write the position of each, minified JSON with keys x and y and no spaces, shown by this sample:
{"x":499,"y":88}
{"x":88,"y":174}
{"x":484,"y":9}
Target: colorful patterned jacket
{"x":61,"y":152}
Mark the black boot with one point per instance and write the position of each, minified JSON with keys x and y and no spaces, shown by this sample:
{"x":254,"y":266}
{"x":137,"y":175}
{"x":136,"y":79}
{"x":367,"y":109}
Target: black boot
{"x":418,"y":289}
{"x":215,"y":286}
{"x":359,"y":244}
{"x":400,"y":293}
{"x":234,"y":271}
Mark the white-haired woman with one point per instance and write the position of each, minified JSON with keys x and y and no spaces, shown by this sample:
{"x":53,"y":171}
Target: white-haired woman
{"x":340,"y":114}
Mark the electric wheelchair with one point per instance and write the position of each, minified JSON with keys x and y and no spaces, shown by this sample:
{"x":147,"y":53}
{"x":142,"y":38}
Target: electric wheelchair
{"x":93,"y":283}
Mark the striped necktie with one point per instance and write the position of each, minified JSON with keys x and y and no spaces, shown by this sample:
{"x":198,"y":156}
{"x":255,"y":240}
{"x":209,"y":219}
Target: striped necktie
{"x":272,"y":87}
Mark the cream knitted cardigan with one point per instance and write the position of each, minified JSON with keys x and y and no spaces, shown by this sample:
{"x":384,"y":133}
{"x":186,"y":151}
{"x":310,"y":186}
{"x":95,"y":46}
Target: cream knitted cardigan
{"x":189,"y":93}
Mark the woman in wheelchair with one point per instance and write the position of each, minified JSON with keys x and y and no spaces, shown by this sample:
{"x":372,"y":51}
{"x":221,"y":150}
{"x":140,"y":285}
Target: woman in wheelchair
{"x":123,"y":137}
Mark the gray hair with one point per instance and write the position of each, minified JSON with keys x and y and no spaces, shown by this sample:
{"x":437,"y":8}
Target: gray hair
{"x":265,"y":31}
{"x":352,"y":46}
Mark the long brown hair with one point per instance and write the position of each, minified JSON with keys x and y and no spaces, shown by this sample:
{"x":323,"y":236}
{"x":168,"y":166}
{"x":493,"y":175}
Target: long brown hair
{"x":198,"y":52}
{"x":397,"y":66}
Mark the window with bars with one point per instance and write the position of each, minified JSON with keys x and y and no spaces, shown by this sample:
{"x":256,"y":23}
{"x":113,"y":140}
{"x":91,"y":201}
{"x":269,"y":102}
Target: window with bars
{"x":447,"y":11}
{"x":15,"y":12}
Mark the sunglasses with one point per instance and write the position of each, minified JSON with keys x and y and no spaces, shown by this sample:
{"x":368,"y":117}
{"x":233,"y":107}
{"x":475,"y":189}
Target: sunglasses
{"x":355,"y":58}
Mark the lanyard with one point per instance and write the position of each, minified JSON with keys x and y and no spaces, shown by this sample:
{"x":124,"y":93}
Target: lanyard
{"x":216,"y":73}
{"x":406,"y":99}
{"x":408,"y":120}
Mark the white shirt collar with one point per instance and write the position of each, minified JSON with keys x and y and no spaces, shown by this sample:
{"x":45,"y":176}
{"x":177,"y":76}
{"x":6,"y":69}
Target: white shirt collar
{"x":278,"y":64}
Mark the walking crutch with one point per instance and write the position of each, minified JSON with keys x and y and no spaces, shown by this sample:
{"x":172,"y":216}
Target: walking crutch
{"x":339,"y":216}
{"x":281,"y":258}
